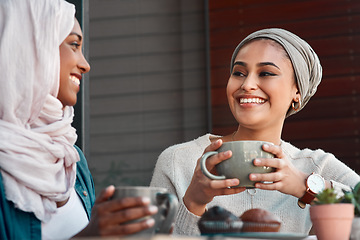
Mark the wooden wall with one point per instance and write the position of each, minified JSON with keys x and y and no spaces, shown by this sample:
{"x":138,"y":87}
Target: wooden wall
{"x":147,"y":84}
{"x":332,"y":27}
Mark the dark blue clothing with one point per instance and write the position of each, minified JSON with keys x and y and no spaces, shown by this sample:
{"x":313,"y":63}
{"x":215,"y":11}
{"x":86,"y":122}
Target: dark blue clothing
{"x":16,"y":224}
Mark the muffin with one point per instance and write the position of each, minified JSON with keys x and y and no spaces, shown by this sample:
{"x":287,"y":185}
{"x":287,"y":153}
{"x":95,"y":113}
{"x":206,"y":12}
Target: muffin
{"x":260,"y":220}
{"x":219,"y":220}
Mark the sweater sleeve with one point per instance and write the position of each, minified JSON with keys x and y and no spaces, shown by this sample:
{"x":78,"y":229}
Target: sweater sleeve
{"x":339,"y":174}
{"x":173,"y":171}
{"x":163,"y":175}
{"x":332,"y":169}
{"x":186,"y":222}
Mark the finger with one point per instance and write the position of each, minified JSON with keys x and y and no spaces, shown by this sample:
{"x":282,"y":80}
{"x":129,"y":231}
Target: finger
{"x":234,"y":190}
{"x":274,"y":149}
{"x":227,"y":183}
{"x":269,"y":162}
{"x":218,"y":158}
{"x":130,"y":214}
{"x":269,"y":186}
{"x":124,"y":203}
{"x":226,"y":187}
{"x":105,"y":194}
{"x":213,"y":146}
{"x":266,"y":177}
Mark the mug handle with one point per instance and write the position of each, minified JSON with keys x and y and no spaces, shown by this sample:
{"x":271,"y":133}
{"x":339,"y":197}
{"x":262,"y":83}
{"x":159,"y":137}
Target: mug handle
{"x":172,"y":207}
{"x":204,"y":169}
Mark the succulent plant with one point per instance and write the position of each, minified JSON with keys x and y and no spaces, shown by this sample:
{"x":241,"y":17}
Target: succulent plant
{"x":328,"y":196}
{"x":353,"y":197}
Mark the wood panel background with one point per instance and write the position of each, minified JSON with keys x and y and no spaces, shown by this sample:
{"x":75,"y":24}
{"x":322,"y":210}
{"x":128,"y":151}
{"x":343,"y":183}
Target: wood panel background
{"x":147,"y":84}
{"x":330,"y":120}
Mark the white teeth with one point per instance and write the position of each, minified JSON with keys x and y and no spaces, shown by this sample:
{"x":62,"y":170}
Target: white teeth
{"x":75,"y":80}
{"x":251,"y":100}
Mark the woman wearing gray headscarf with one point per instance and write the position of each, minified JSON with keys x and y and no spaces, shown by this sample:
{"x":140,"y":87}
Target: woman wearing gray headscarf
{"x":273,"y":74}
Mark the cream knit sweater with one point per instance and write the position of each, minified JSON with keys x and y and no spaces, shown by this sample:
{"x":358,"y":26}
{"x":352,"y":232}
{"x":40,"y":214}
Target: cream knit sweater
{"x":176,"y":164}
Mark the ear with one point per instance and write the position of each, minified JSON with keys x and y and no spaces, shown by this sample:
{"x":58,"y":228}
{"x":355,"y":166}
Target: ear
{"x":297,"y":96}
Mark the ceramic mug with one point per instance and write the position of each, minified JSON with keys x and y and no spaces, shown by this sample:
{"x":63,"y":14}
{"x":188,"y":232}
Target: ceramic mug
{"x":240,"y":164}
{"x":167,"y":206}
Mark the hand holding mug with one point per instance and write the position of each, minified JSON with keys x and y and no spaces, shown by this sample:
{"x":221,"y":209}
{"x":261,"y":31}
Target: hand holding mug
{"x":110,"y":217}
{"x":286,"y":179}
{"x":166,"y":203}
{"x":240,"y":165}
{"x":202,"y":190}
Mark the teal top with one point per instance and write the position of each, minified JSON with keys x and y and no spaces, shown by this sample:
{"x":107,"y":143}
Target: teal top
{"x":16,"y":224}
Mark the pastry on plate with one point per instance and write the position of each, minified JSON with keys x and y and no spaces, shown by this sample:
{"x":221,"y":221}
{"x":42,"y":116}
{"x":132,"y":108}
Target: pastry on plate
{"x":260,"y":220}
{"x":219,"y":220}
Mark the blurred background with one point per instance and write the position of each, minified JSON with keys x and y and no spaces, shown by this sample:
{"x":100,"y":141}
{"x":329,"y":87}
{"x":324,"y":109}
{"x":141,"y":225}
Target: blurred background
{"x":159,"y":69}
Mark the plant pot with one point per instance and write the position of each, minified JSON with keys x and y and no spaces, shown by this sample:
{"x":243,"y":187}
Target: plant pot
{"x":332,"y":221}
{"x":355,"y":229}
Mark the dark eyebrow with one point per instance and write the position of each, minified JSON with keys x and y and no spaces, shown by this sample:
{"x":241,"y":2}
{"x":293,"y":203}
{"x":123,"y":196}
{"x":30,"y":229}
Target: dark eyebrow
{"x":268,"y":63}
{"x":240,"y":63}
{"x":260,"y":64}
{"x":78,"y":35}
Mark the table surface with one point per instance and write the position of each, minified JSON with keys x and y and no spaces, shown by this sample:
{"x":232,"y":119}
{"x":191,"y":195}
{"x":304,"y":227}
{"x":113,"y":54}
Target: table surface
{"x":170,"y":237}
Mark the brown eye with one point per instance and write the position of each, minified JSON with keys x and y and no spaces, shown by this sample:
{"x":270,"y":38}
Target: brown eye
{"x":75,"y":45}
{"x":237,"y":73}
{"x":266,"y":74}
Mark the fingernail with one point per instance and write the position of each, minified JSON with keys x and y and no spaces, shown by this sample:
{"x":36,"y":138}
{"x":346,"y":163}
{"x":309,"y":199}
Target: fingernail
{"x":235,"y":181}
{"x":253,"y":177}
{"x":153,"y":209}
{"x":257,"y":161}
{"x":150,"y":222}
{"x":145,"y":200}
{"x":266,"y":145}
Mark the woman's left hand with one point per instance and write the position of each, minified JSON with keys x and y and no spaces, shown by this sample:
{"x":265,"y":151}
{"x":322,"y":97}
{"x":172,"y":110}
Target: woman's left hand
{"x":286,"y":178}
{"x":114,"y":217}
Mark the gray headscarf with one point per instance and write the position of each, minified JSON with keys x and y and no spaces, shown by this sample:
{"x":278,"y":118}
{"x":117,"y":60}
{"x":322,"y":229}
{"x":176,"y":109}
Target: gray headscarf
{"x":306,"y":64}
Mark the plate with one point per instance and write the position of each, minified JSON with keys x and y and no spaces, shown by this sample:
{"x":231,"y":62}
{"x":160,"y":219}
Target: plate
{"x":262,"y":235}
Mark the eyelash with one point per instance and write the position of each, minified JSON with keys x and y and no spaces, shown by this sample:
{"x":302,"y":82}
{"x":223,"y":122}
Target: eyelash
{"x":262,"y":74}
{"x":75,"y":44}
{"x":265,"y":74}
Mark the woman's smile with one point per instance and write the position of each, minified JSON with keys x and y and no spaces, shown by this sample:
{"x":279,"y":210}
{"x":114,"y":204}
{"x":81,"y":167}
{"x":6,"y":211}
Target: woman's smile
{"x":250,"y":101}
{"x":262,"y":86}
{"x":72,"y":65}
{"x":75,"y":80}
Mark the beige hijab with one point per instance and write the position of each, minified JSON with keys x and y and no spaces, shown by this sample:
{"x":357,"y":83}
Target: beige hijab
{"x":37,"y":156}
{"x":306,"y":64}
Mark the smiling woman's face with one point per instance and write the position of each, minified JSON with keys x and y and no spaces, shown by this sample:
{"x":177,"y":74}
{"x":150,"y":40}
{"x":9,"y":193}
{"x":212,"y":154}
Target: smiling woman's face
{"x":262,"y":85}
{"x":72,"y":65}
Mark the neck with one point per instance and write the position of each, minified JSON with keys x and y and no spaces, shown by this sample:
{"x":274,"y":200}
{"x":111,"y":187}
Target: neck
{"x":273,"y":135}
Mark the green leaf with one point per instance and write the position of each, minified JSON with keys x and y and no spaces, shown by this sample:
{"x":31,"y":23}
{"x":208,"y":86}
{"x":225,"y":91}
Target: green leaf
{"x":328,"y":196}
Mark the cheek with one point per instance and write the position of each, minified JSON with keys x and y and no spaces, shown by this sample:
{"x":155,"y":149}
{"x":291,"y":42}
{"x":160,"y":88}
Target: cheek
{"x":232,"y":86}
{"x":66,"y":60}
{"x":282,"y":95}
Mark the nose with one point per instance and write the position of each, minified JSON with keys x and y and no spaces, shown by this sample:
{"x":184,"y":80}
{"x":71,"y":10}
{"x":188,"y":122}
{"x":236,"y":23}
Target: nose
{"x":250,"y":83}
{"x":83,"y":64}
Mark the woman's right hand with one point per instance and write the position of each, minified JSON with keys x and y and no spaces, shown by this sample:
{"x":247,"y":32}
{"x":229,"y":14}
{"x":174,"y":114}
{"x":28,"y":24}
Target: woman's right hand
{"x":202,"y":190}
{"x":109,"y":217}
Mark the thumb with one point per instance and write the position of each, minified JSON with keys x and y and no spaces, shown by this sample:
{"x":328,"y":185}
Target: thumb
{"x":105,"y":194}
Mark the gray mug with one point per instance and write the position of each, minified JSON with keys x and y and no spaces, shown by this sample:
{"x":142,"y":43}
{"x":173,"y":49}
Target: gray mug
{"x":240,"y":164}
{"x":167,"y":206}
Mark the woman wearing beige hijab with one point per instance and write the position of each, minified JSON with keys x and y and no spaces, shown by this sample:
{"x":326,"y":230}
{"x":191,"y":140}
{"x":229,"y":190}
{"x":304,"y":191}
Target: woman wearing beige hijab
{"x":273,"y":74}
{"x":46,"y":189}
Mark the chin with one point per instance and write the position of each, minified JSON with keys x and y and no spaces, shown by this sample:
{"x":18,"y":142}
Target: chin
{"x":71,"y":103}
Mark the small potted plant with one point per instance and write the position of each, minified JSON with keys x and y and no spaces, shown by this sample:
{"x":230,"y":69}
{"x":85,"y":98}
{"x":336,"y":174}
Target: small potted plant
{"x":331,"y":216}
{"x":353,"y":197}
